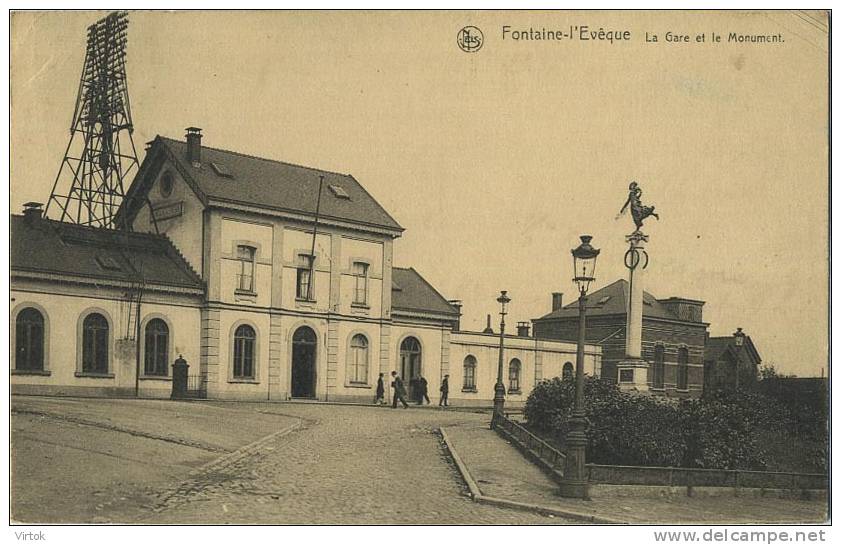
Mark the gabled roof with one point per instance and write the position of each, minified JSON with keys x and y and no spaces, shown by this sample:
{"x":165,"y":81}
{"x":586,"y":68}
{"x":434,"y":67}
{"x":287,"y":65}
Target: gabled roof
{"x":411,"y":292}
{"x":231,"y":177}
{"x":717,"y":346}
{"x":54,"y":247}
{"x":612,"y":299}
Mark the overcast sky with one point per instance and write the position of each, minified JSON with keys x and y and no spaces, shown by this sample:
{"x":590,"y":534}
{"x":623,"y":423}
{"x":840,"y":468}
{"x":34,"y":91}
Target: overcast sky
{"x":495,"y":161}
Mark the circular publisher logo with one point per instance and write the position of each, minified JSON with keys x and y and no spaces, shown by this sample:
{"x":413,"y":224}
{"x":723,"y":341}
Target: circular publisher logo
{"x":470,"y":39}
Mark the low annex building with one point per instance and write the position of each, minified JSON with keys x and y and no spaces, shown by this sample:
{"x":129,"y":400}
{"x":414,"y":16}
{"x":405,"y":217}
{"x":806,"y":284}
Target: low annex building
{"x":228,"y":268}
{"x":731,"y":363}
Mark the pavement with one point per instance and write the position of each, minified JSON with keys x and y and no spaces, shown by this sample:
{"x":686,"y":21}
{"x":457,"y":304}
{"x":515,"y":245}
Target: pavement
{"x":501,"y":471}
{"x":158,"y":462}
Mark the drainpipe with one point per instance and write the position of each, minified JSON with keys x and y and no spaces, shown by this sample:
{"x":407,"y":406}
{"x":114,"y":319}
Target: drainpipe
{"x":137,"y":348}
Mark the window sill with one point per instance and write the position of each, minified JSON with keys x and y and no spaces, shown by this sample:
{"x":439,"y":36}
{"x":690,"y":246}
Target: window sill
{"x":38,"y":372}
{"x":88,"y":374}
{"x":358,"y":385}
{"x":306,"y":301}
{"x":243,"y":381}
{"x":156,"y":377}
{"x":246,"y":293}
{"x":470,"y":390}
{"x":515,"y":392}
{"x":360,"y":306}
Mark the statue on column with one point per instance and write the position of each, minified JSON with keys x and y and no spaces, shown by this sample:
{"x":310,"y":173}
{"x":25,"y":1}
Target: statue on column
{"x":638,"y":211}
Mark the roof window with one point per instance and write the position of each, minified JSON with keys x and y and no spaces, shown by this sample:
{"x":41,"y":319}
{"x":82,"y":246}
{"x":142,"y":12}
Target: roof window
{"x":108,"y":263}
{"x":220,"y":170}
{"x":339,"y":191}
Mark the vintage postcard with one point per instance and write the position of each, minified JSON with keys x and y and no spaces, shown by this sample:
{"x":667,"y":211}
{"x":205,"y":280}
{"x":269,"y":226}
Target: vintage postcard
{"x":420,"y":268}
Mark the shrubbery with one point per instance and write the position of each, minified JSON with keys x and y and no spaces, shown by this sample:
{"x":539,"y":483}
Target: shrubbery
{"x":721,"y":431}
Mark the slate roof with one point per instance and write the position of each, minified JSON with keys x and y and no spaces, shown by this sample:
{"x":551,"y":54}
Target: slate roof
{"x":611,"y":299}
{"x":717,"y":346}
{"x":410,"y":291}
{"x":54,"y":247}
{"x":234,"y":177}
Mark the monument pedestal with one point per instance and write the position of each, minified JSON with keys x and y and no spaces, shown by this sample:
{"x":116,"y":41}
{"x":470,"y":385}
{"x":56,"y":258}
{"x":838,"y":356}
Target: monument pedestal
{"x":632,"y":374}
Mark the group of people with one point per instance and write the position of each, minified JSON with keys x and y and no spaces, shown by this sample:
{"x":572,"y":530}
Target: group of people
{"x":420,"y":389}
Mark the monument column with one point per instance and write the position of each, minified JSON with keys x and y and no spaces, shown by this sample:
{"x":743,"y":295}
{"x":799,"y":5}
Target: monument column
{"x":633,"y":370}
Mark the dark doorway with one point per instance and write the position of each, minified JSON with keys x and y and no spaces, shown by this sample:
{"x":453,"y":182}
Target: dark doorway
{"x":410,"y":365}
{"x":304,"y":344}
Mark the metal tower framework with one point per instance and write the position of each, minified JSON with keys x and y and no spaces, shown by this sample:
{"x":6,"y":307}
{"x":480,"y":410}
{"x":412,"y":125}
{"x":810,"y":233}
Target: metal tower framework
{"x":91,"y":181}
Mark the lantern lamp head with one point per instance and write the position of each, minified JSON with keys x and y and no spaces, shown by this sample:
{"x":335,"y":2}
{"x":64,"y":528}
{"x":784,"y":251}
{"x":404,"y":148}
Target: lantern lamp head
{"x":503,"y":300}
{"x":740,"y":336}
{"x":584,"y":263}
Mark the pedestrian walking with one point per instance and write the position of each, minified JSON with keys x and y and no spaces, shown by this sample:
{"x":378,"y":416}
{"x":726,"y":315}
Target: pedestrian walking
{"x":423,"y":391}
{"x":445,"y":391}
{"x":399,"y":391}
{"x":380,"y":399}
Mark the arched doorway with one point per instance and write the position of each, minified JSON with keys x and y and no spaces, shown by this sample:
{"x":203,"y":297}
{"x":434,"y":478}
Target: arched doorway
{"x":410,"y":364}
{"x":304,"y":344}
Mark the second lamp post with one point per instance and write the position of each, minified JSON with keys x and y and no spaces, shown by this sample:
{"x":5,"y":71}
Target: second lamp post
{"x":575,"y":483}
{"x":499,"y":387}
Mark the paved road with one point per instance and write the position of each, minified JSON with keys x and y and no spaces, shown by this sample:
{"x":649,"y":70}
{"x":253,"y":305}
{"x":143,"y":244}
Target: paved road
{"x":98,"y":461}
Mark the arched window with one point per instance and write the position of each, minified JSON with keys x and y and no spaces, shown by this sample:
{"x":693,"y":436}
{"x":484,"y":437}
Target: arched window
{"x":157,"y":348}
{"x":358,"y":360}
{"x":682,"y":368}
{"x":514,"y":375}
{"x":95,"y":344}
{"x":568,"y":372}
{"x":470,"y":374}
{"x":657,"y":380}
{"x":244,"y":341}
{"x":29,"y":340}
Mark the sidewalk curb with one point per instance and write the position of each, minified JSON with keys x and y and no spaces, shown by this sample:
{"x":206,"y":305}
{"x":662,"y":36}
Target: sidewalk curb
{"x":478,"y":497}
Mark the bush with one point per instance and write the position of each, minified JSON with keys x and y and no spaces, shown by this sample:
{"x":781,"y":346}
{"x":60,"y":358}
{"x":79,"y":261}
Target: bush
{"x":720,"y":431}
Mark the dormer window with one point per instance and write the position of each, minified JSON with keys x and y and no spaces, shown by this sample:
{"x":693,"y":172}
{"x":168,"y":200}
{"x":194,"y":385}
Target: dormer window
{"x":245,"y":277}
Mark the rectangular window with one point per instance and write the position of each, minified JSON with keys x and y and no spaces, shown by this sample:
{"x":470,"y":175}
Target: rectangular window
{"x":659,"y":366}
{"x":360,"y":290}
{"x":626,"y":375}
{"x":682,"y":369}
{"x":304,"y":279}
{"x":245,"y":277}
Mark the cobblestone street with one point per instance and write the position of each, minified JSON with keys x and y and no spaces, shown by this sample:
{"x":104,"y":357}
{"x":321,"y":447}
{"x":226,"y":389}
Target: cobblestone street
{"x":123,"y":461}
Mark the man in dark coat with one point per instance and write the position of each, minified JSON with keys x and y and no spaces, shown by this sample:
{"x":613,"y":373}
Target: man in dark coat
{"x":423,"y":390}
{"x":380,"y":391}
{"x":445,"y":391}
{"x":399,"y":391}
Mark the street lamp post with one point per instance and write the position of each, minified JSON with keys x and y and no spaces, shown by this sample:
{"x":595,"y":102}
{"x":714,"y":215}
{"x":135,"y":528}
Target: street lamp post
{"x":575,"y":483}
{"x":740,"y":342}
{"x":499,"y":387}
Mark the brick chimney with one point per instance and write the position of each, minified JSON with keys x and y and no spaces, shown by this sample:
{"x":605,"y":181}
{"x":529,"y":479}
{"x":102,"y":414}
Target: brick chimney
{"x":523,"y":329}
{"x":32,"y":212}
{"x":557,"y":301}
{"x":194,"y":146}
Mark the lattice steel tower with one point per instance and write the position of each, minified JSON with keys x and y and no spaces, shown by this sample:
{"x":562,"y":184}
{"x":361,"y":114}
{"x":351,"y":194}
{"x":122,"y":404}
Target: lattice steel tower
{"x":92,"y":178}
